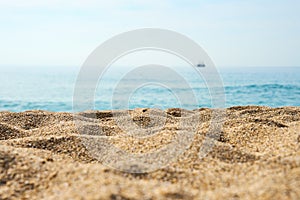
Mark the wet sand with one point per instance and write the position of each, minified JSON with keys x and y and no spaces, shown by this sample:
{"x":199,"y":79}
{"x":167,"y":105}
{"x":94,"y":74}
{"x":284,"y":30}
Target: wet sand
{"x":255,"y":156}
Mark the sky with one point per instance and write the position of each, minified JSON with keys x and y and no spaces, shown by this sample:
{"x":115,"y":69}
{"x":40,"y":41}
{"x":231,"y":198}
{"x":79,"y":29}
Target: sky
{"x":232,"y":32}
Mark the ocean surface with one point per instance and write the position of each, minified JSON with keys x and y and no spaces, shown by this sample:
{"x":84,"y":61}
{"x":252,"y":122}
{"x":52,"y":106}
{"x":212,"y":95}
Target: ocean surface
{"x":52,"y":88}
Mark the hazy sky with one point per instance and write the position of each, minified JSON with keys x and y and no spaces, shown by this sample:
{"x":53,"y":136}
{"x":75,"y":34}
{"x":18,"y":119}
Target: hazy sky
{"x":234,"y":33}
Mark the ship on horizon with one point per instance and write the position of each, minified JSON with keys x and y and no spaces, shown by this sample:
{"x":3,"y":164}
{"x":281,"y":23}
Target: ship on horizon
{"x":200,"y":65}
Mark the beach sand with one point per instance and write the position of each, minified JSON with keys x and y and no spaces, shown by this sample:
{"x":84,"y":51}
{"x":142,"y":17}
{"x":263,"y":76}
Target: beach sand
{"x":256,"y":156}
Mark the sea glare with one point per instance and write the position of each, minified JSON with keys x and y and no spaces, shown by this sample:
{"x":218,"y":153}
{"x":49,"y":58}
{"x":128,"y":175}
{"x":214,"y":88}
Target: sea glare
{"x":51,"y":88}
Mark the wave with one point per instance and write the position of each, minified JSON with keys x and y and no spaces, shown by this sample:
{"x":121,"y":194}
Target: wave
{"x":269,"y":86}
{"x":255,"y":94}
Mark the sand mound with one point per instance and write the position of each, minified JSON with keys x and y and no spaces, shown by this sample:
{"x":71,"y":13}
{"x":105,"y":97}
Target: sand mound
{"x":256,"y":155}
{"x":8,"y":131}
{"x":33,"y":119}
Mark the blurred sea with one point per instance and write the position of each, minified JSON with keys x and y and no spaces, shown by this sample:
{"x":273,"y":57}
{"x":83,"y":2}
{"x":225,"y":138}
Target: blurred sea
{"x":51,"y":88}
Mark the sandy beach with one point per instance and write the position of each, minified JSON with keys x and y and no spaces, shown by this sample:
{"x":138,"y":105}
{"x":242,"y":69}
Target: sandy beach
{"x":256,"y":156}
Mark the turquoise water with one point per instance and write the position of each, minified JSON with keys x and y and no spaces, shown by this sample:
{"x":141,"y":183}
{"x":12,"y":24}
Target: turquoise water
{"x":51,"y":88}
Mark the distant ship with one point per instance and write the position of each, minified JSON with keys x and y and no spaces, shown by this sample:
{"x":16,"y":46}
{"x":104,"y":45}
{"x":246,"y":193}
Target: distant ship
{"x":200,"y":65}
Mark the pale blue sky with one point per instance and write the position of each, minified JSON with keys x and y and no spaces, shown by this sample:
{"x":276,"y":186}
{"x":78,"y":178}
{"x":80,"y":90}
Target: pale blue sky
{"x":234,"y":33}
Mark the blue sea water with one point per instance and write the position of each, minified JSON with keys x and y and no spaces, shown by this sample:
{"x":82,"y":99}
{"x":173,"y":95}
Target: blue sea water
{"x":51,"y":88}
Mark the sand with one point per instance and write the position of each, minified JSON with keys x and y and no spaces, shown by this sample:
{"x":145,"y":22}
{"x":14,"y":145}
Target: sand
{"x":255,"y":156}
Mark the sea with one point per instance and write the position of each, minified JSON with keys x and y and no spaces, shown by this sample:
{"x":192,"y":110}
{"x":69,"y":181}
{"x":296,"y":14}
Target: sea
{"x":52,"y":88}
